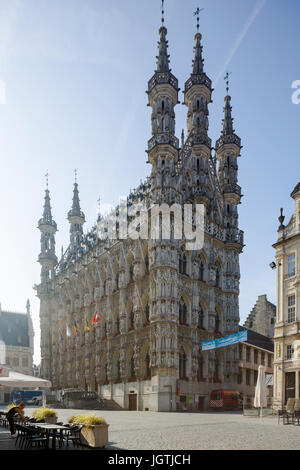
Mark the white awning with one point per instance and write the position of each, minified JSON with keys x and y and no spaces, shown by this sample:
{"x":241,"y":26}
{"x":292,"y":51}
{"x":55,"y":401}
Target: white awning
{"x":17,"y":380}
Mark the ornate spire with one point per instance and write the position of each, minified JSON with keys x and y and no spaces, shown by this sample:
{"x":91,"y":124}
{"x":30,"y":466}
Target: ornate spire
{"x":47,"y":214}
{"x":198,"y":60}
{"x":48,"y":228}
{"x":228,"y":135}
{"x":198,"y":76}
{"x":163,"y":56}
{"x":162,"y":74}
{"x":197,"y":95}
{"x":76,"y":217}
{"x":163,"y":96}
{"x":228,"y":119}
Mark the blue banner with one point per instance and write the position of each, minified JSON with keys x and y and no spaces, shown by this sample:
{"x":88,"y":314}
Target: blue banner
{"x":227,"y":341}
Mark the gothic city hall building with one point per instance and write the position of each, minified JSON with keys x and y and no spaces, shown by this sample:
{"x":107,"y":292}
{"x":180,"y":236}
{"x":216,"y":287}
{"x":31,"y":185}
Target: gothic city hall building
{"x":126,"y":317}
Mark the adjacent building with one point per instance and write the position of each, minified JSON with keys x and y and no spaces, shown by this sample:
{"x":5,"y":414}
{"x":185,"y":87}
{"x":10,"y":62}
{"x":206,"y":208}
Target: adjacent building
{"x":262,"y":317}
{"x":156,"y":300}
{"x":257,"y":350}
{"x":16,"y":343}
{"x":287,"y":326}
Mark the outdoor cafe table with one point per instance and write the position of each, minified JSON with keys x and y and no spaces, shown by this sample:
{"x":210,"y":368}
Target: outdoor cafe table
{"x":51,"y":431}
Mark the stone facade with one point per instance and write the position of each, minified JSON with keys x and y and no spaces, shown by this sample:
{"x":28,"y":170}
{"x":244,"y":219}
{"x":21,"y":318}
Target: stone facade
{"x":287,"y":327}
{"x":157,"y":301}
{"x":262,"y":317}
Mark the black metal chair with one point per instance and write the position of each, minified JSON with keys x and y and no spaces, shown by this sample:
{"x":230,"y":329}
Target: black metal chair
{"x":282,"y":414}
{"x":74,"y":435}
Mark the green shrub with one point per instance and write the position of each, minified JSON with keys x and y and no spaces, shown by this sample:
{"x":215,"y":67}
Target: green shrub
{"x":87,"y":420}
{"x":43,"y":412}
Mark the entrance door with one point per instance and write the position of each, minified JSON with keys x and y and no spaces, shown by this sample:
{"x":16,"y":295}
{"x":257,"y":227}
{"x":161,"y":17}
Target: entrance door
{"x":290,"y":385}
{"x":201,"y":403}
{"x":132,"y":401}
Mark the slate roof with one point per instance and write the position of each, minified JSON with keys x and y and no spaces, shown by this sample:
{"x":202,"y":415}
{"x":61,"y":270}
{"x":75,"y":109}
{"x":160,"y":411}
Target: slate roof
{"x":14,"y":329}
{"x":256,"y":339}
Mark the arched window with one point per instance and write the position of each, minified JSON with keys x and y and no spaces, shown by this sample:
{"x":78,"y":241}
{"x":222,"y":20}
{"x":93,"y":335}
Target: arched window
{"x":118,"y":324}
{"x":132,"y":368}
{"x":147,"y":263}
{"x":218,"y":277}
{"x":147,"y":313}
{"x":148,"y":368}
{"x":200,"y":367}
{"x":117,"y":281}
{"x":118,"y":369}
{"x":106,"y":372}
{"x":105,"y":329}
{"x":182,"y":312}
{"x":201,"y":271}
{"x":198,"y":166}
{"x":182,"y":263}
{"x":182,"y":364}
{"x":131,"y":319}
{"x":201,"y":318}
{"x":131,"y":273}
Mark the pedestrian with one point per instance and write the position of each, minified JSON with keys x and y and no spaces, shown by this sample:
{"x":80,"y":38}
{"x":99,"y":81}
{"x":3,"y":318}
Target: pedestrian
{"x":15,"y":410}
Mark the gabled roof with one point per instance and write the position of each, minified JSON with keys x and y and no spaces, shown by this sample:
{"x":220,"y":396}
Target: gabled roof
{"x":256,"y":339}
{"x":14,"y":329}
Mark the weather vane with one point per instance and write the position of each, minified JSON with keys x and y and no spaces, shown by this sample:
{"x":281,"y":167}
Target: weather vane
{"x":197,"y":12}
{"x":162,"y":12}
{"x":227,"y":81}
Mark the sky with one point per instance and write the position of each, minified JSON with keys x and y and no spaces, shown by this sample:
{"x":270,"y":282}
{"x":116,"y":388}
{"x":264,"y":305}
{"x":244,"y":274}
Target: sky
{"x":73,"y":76}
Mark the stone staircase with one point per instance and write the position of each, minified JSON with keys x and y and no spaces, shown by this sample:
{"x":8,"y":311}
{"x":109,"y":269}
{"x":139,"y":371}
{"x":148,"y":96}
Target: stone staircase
{"x":88,"y":401}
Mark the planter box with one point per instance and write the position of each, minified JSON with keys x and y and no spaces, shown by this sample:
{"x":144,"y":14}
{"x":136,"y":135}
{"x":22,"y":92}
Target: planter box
{"x":51,"y":419}
{"x":95,"y":436}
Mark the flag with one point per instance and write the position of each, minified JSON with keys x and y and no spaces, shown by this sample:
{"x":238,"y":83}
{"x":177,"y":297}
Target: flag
{"x":87,"y":324}
{"x":95,"y":318}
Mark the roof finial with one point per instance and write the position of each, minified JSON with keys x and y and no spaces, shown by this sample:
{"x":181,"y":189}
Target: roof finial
{"x":227,"y":81}
{"x":162,"y":12}
{"x":47,"y":179}
{"x":197,"y":13}
{"x":75,"y":173}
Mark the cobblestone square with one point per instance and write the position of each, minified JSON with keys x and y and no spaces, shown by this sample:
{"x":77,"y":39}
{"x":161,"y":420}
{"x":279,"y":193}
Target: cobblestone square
{"x":130,"y":430}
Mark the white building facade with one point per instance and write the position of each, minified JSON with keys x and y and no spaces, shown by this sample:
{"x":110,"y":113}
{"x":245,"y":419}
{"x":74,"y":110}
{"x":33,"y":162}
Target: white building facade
{"x":287,"y":327}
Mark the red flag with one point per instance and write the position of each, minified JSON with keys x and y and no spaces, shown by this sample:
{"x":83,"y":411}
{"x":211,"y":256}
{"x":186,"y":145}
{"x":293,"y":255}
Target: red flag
{"x":96,"y":318}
